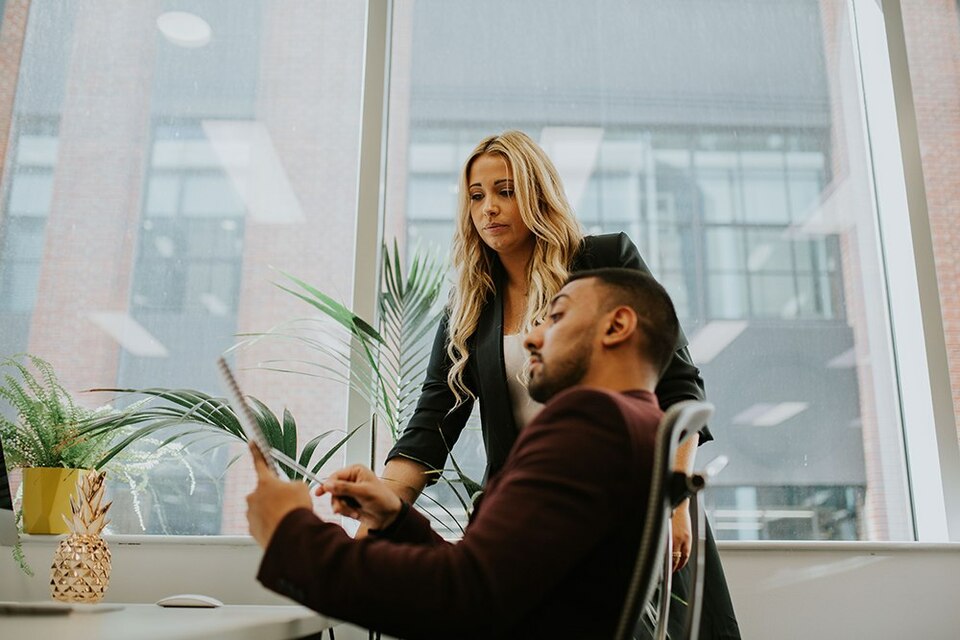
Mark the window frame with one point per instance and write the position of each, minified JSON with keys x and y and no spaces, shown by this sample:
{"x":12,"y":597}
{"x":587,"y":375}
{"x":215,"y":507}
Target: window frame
{"x":923,"y":376}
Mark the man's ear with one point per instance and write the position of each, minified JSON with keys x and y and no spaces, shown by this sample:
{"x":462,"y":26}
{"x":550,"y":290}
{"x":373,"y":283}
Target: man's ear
{"x":621,"y":325}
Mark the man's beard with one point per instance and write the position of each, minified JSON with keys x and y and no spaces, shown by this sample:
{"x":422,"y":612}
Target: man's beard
{"x":562,"y":375}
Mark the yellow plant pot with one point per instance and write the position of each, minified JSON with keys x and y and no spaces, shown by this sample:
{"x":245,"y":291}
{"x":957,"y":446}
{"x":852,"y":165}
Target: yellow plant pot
{"x":46,"y":498}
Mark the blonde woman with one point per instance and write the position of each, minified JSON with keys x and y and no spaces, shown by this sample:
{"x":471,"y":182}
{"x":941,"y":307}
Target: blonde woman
{"x":515,"y":243}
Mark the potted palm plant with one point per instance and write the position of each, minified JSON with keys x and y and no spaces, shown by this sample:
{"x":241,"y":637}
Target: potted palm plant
{"x":189,"y":417}
{"x":394,"y":359}
{"x":394,"y":354}
{"x":45,"y":439}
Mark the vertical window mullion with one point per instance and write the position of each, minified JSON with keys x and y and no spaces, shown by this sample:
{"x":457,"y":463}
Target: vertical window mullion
{"x":370,"y":202}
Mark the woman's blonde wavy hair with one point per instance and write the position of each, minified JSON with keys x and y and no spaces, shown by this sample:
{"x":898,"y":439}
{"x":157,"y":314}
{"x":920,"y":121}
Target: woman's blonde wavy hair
{"x":544,"y":209}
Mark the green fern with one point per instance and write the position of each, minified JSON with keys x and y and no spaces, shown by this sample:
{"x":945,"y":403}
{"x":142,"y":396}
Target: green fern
{"x":47,"y":429}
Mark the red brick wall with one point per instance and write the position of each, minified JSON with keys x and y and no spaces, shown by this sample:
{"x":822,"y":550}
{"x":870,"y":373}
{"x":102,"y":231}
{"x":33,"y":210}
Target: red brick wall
{"x":933,"y":49}
{"x":308,"y":99}
{"x":94,"y":216}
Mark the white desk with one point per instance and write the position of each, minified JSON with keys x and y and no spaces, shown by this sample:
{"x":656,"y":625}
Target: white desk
{"x":150,"y":622}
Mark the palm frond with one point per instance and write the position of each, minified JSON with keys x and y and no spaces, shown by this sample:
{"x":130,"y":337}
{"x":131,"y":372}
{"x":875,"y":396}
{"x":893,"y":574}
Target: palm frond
{"x":331,"y":451}
{"x":384,"y":365}
{"x":196,"y":416}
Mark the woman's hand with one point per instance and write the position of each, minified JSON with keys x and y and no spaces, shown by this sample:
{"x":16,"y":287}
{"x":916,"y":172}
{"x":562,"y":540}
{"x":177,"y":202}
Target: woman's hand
{"x":681,"y":535}
{"x":378,"y":505}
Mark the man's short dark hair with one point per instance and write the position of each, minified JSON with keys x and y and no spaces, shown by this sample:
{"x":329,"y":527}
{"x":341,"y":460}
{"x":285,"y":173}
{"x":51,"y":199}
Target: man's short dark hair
{"x":656,"y":316}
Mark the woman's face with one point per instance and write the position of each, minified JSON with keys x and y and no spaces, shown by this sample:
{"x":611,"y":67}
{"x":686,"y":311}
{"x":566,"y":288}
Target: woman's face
{"x":493,"y":206}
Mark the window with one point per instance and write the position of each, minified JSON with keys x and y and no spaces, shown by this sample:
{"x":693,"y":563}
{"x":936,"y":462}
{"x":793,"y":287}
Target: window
{"x":710,"y":134}
{"x":153,"y":170}
{"x":22,"y":229}
{"x":154,"y":178}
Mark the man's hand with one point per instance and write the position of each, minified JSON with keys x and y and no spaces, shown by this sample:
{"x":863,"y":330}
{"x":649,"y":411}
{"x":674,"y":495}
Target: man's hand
{"x":681,"y":535}
{"x":272,"y":500}
{"x":405,"y":478}
{"x":379,"y":506}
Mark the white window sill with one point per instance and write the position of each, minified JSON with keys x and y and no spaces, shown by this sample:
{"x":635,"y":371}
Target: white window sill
{"x":138,"y":540}
{"x":737,"y":546}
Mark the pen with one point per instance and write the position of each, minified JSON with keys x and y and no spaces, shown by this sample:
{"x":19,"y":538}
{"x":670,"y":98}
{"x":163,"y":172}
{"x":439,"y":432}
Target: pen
{"x":281,"y":457}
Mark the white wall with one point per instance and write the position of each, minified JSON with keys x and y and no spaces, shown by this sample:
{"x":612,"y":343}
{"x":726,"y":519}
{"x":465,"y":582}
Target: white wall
{"x":145,"y":569}
{"x":845,"y":590}
{"x":808,"y":590}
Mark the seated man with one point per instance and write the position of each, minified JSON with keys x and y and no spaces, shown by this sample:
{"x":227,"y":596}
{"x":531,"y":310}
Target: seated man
{"x":552,"y":541}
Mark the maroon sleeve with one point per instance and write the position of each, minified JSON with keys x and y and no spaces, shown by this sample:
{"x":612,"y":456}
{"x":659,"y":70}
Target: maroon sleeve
{"x":561,"y":491}
{"x":410,"y":526}
{"x":290,"y":559}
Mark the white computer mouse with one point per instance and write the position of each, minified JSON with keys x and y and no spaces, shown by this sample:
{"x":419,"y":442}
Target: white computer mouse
{"x":189,"y":600}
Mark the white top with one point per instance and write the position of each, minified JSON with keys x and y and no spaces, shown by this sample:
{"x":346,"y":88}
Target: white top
{"x":515,"y":361}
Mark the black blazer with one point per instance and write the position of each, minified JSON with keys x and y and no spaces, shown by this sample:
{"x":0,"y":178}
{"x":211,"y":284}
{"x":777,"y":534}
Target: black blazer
{"x":437,"y":422}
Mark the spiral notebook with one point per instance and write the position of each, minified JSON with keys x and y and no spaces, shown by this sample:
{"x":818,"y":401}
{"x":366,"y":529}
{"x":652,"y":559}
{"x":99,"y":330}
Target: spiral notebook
{"x":255,"y":435}
{"x":248,"y":421}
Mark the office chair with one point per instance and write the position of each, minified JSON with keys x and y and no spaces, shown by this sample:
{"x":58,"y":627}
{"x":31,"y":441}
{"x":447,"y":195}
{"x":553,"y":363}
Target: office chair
{"x":668,"y":488}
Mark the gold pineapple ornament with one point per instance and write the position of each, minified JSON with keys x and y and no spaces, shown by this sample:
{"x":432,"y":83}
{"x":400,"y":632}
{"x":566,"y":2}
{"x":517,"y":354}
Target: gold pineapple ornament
{"x":81,"y":564}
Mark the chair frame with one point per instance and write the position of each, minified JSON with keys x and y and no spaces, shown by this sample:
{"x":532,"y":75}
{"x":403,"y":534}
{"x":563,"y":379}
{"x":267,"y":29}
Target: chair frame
{"x":667,"y":488}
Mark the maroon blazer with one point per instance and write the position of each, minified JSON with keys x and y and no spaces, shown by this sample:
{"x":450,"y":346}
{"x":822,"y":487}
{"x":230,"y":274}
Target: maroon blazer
{"x":548,"y":551}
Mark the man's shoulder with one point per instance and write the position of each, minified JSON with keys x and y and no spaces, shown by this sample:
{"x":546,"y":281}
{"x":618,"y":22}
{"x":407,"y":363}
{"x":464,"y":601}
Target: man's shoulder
{"x":592,"y":403}
{"x":577,"y":395}
{"x":588,"y":421}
